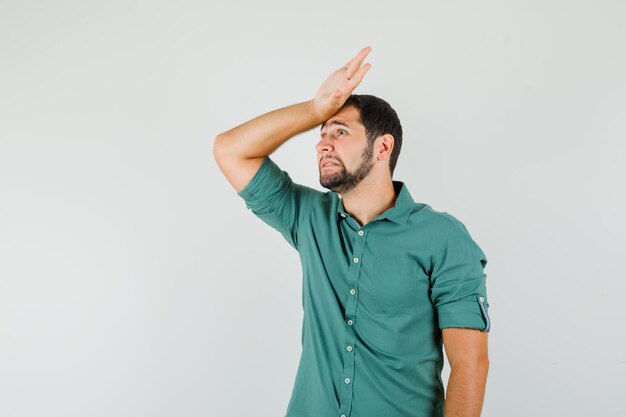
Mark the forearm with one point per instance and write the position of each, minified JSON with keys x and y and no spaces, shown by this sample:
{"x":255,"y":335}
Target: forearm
{"x":264,"y":134}
{"x":466,"y":389}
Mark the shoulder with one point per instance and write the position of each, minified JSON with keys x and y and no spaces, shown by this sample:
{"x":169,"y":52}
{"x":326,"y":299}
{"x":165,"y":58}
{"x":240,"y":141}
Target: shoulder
{"x":441,"y":221}
{"x":443,"y":231}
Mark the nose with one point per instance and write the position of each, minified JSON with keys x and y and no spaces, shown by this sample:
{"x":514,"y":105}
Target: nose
{"x":324,"y":145}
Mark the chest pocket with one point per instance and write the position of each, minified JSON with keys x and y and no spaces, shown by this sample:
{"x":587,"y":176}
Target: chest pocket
{"x":395,"y":283}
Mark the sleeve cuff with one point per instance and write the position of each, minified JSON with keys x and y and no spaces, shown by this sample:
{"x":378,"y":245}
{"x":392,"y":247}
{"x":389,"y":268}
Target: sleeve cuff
{"x":470,"y":314}
{"x":253,"y":186}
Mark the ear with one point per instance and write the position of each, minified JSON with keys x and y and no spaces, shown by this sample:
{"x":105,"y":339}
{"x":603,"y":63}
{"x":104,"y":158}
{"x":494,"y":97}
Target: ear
{"x":386,"y":146}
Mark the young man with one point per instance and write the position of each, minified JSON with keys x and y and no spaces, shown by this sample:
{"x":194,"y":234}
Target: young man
{"x":386,"y":280}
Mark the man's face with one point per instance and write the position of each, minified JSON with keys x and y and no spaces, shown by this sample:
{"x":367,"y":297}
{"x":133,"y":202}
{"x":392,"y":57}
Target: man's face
{"x":344,"y":144}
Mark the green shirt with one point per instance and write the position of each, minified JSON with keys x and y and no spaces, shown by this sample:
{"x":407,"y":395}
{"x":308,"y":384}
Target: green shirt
{"x":375,"y":298}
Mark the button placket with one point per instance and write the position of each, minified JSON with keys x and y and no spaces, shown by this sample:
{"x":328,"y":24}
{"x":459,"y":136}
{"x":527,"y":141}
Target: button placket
{"x":346,"y":392}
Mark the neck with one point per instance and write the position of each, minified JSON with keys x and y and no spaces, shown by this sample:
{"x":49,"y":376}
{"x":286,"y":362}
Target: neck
{"x":369,"y":199}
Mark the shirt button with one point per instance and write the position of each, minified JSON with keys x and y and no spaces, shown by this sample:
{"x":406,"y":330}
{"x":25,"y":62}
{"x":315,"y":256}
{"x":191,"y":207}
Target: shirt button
{"x":482,"y":299}
{"x":355,"y":260}
{"x":343,"y":215}
{"x":361,"y":232}
{"x":349,"y":348}
{"x":343,"y":415}
{"x":352,"y":291}
{"x":347,"y":380}
{"x":350,"y":322}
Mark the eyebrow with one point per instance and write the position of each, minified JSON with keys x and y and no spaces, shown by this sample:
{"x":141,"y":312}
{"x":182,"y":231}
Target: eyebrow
{"x":334,"y":122}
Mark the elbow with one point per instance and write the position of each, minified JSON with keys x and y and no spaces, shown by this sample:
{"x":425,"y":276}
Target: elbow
{"x":478,"y":367}
{"x":483,"y":365}
{"x":483,"y":368}
{"x":219,"y":146}
{"x":475,"y":363}
{"x":482,"y":362}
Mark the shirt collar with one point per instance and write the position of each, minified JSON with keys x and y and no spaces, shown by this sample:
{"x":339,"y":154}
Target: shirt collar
{"x":398,"y":213}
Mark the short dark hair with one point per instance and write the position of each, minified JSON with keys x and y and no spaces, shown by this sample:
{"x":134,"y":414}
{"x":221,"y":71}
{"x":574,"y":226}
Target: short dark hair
{"x":378,"y":118}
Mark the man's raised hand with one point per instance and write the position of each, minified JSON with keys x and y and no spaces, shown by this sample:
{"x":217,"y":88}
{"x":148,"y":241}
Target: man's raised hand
{"x":340,"y":84}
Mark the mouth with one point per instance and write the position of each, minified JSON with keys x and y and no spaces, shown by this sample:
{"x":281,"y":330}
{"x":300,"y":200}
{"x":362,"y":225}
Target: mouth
{"x":328,"y":164}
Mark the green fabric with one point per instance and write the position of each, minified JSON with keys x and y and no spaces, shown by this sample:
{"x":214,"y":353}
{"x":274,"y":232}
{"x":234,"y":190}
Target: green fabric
{"x":374,"y":303}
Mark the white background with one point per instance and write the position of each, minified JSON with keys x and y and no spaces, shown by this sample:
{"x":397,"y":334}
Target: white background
{"x":134,"y":282}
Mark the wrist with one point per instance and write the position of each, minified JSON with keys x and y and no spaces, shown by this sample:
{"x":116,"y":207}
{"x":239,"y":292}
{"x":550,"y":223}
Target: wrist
{"x":317,"y":117}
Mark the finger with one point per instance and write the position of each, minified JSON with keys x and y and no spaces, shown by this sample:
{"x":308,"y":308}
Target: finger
{"x":355,"y":63}
{"x":347,"y":64}
{"x":354,"y":81}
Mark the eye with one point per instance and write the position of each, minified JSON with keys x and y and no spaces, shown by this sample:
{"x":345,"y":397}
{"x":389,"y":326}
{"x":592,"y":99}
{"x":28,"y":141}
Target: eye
{"x":341,"y":130}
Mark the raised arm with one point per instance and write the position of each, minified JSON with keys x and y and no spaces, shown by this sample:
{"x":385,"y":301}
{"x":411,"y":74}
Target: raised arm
{"x":239,"y":151}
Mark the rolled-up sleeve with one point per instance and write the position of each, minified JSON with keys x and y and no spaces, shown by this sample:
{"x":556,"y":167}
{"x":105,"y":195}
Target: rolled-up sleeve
{"x":277,"y":200}
{"x":458,"y":282}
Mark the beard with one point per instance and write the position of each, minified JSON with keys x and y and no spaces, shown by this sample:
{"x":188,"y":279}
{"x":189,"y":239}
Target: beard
{"x":341,"y":180}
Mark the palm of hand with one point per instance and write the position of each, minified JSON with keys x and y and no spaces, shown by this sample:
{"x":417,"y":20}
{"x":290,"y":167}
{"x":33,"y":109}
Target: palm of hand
{"x":339,"y":85}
